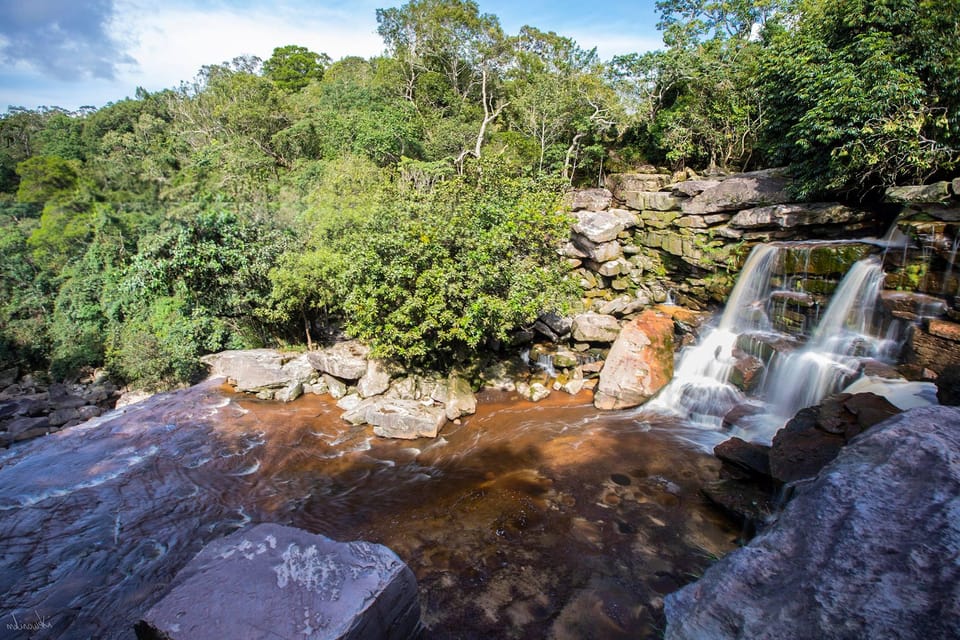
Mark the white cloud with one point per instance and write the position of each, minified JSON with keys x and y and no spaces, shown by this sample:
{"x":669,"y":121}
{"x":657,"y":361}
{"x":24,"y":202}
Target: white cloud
{"x":171,"y":43}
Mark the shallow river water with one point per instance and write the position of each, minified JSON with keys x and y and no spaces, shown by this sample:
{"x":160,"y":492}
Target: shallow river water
{"x":525,"y":521}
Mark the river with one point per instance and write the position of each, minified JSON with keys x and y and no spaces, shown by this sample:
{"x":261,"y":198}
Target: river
{"x":525,"y":521}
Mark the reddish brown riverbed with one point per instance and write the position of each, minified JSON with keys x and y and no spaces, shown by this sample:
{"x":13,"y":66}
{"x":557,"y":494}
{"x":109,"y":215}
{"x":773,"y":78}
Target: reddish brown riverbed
{"x":525,"y":521}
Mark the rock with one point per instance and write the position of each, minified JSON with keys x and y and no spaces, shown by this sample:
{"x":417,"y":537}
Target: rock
{"x":24,"y":428}
{"x":651,"y":200}
{"x":629,"y":218}
{"x":915,"y":304}
{"x":133,"y":396}
{"x":8,"y":377}
{"x":743,"y":500}
{"x":460,"y":400}
{"x":534,"y":392}
{"x":596,"y":199}
{"x":944,"y":329}
{"x":570,"y":250}
{"x":690,"y":188}
{"x":61,"y":417}
{"x":598,"y":226}
{"x":88,"y":412}
{"x":613,"y":267}
{"x":746,"y":372}
{"x":815,"y":435}
{"x":318,"y":388}
{"x":602,"y":252}
{"x":255,"y":370}
{"x":948,"y":386}
{"x":336,"y":388}
{"x":280,"y":582}
{"x":574,"y":382}
{"x":290,"y":392}
{"x":63,"y":398}
{"x":744,"y":190}
{"x":620,"y":183}
{"x":375,"y":380}
{"x":594,"y":327}
{"x":929,"y":351}
{"x":624,"y":305}
{"x":640,"y":363}
{"x":558,"y":324}
{"x":919,"y":194}
{"x":863,"y":551}
{"x":349,"y":403}
{"x":345,"y":360}
{"x":749,"y":457}
{"x":405,"y":419}
{"x":788,"y":216}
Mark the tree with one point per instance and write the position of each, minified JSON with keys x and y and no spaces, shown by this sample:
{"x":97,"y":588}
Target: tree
{"x":293,"y":67}
{"x":862,"y":95}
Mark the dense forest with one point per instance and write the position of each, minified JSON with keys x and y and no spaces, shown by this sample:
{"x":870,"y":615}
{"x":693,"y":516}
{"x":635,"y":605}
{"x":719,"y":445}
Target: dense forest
{"x":413,"y":199}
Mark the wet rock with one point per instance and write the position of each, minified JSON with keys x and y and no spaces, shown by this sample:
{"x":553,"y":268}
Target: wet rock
{"x":931,"y":352}
{"x":598,"y":226}
{"x":944,"y":329}
{"x":596,"y":199}
{"x":292,"y":583}
{"x":815,"y":435}
{"x":788,"y":216}
{"x":375,"y":380}
{"x":350,"y":402}
{"x":595,"y":327}
{"x":858,"y":553}
{"x":404,"y":419}
{"x":746,"y":372}
{"x":345,"y":360}
{"x":745,"y":501}
{"x":733,"y":417}
{"x":919,"y":194}
{"x":915,"y":304}
{"x":741,"y":191}
{"x":639,"y":364}
{"x":948,"y":386}
{"x":749,"y":457}
{"x":534,"y":392}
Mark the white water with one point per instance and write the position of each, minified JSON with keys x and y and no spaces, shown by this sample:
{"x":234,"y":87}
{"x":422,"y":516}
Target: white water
{"x":848,"y":330}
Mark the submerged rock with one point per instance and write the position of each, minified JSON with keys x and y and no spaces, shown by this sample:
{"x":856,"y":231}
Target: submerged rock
{"x":640,"y":363}
{"x":281,"y":582}
{"x":866,"y":550}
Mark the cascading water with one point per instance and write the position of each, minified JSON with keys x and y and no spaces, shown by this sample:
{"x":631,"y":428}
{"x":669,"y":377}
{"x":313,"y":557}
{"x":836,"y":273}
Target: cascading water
{"x":773,"y":276}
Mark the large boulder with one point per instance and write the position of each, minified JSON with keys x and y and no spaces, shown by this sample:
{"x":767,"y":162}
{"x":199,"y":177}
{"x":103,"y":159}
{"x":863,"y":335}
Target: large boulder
{"x":458,"y":397}
{"x":595,"y":327}
{"x":640,"y":363}
{"x":866,"y":550}
{"x":345,"y":360}
{"x":375,"y":380}
{"x":281,"y":582}
{"x":256,"y":370}
{"x":744,"y":190}
{"x":919,"y":194}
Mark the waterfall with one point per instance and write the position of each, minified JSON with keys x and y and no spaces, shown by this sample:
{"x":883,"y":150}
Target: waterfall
{"x":849,"y":329}
{"x":699,"y":386}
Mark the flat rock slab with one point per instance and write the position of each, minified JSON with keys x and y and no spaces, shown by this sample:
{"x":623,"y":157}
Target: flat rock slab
{"x":272,"y":581}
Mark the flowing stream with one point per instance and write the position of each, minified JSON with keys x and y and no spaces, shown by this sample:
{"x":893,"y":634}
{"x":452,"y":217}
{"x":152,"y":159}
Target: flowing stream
{"x":525,"y":521}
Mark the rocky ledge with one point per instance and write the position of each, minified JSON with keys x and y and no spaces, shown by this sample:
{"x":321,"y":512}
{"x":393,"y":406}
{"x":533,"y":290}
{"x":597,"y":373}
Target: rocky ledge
{"x":867,"y":549}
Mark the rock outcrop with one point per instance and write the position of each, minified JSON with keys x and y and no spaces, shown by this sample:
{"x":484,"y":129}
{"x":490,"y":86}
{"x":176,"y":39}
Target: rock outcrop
{"x":280,"y":582}
{"x":640,"y":363}
{"x":865,"y":550}
{"x":29,"y":410}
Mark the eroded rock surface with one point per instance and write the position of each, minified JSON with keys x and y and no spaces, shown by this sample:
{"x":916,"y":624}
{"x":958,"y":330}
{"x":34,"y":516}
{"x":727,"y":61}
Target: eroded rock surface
{"x":640,"y":363}
{"x":866,"y":550}
{"x":272,"y":581}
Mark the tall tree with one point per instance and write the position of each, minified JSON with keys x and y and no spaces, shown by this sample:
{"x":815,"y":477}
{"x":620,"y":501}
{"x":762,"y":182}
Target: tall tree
{"x":293,"y":67}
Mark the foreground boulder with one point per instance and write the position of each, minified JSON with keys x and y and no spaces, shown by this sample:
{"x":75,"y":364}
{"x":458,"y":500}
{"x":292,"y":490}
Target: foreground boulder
{"x":868,"y":549}
{"x":640,"y":363}
{"x":280,"y":582}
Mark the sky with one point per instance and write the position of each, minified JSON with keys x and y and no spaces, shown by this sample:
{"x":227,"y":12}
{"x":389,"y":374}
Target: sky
{"x":73,"y":53}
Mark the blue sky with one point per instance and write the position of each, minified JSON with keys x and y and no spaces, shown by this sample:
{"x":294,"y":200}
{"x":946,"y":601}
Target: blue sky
{"x":71,"y":53}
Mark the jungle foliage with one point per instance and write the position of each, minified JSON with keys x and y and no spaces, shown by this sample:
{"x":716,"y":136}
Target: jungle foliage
{"x":413,"y":199}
